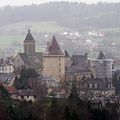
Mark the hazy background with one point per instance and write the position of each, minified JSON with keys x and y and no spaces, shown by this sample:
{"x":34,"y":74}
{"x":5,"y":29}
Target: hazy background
{"x":78,"y":27}
{"x":29,"y":2}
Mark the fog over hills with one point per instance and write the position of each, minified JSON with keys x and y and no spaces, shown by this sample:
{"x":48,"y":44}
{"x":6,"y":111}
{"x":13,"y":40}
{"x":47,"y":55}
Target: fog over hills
{"x":69,"y":15}
{"x":29,"y":2}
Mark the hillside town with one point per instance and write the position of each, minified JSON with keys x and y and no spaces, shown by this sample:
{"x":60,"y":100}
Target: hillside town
{"x":57,"y":70}
{"x":32,"y":76}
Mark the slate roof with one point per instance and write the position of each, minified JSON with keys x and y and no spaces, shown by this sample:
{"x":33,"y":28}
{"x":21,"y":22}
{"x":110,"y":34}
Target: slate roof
{"x":79,"y":63}
{"x":34,"y":61}
{"x":29,"y":37}
{"x":54,"y":48}
{"x":11,"y":89}
{"x":24,"y":57}
{"x":6,"y":78}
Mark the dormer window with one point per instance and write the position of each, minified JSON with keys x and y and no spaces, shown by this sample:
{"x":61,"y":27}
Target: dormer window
{"x":90,"y":86}
{"x":95,"y":86}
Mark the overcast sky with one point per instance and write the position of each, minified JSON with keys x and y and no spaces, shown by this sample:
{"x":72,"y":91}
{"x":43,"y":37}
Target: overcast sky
{"x":29,"y":2}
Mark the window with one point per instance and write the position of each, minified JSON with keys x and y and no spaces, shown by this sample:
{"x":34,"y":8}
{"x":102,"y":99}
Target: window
{"x":66,"y":68}
{"x":5,"y":68}
{"x":22,"y":97}
{"x":59,"y":64}
{"x":86,"y":85}
{"x":59,"y":59}
{"x":27,"y":96}
{"x":35,"y":97}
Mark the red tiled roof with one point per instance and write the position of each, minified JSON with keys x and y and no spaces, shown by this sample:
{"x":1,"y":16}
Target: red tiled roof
{"x":11,"y":89}
{"x":54,"y":48}
{"x":1,"y":84}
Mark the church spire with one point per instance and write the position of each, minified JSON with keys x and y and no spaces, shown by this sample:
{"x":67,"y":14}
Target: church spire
{"x":29,"y":36}
{"x":29,"y":44}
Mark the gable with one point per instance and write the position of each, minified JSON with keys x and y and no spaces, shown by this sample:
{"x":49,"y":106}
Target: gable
{"x":18,"y":62}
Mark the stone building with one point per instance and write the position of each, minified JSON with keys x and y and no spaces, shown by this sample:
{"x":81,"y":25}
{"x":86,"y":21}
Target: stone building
{"x":96,"y":87}
{"x":102,"y":67}
{"x":79,"y":67}
{"x":30,"y":58}
{"x":54,"y":61}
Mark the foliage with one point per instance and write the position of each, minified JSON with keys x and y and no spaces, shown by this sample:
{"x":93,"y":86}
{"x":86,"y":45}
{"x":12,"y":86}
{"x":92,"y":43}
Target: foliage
{"x":25,"y":76}
{"x":93,"y":15}
{"x":58,"y":109}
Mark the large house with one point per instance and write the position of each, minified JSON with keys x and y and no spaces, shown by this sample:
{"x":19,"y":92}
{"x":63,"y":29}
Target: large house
{"x":79,"y":67}
{"x":30,"y":58}
{"x":96,"y":87}
{"x":102,"y":67}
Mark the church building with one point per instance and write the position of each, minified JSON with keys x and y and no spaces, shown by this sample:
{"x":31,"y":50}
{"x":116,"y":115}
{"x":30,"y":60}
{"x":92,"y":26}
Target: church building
{"x":29,"y":58}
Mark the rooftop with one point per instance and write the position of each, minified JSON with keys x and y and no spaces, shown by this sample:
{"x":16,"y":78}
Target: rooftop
{"x":54,"y":48}
{"x":29,"y":37}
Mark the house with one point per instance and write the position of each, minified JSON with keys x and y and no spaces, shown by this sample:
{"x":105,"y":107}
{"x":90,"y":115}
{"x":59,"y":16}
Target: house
{"x":6,"y":65}
{"x":12,"y":91}
{"x":26,"y":94}
{"x":6,"y":68}
{"x":96,"y":87}
{"x":102,"y":67}
{"x":80,"y":67}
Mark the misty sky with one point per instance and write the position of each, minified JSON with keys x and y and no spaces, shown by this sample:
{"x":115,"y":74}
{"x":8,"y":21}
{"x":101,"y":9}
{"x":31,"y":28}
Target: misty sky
{"x":29,"y":2}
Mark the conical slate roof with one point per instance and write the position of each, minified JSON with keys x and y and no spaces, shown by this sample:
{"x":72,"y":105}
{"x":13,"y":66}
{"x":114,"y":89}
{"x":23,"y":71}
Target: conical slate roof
{"x":29,"y":37}
{"x":54,"y":48}
{"x":101,"y":55}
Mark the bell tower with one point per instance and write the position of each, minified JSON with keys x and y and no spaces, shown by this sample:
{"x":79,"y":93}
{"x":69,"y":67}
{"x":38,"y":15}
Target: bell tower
{"x":29,"y":44}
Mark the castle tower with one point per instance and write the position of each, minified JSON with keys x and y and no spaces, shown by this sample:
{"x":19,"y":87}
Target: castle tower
{"x":54,"y":61}
{"x":29,"y":44}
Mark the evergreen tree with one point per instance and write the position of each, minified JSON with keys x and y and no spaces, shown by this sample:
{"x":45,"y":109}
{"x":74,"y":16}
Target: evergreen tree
{"x":25,"y":75}
{"x":74,"y":116}
{"x":74,"y":96}
{"x":67,"y":113}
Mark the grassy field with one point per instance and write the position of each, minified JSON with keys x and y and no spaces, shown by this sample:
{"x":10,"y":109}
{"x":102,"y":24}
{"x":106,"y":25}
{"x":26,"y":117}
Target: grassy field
{"x":36,"y":27}
{"x":8,"y":40}
{"x":14,"y":34}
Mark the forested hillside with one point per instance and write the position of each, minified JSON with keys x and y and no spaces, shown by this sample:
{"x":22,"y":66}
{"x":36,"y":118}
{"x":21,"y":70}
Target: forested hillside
{"x":70,"y":15}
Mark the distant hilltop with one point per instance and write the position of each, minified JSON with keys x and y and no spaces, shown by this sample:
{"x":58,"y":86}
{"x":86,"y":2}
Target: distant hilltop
{"x":65,"y":14}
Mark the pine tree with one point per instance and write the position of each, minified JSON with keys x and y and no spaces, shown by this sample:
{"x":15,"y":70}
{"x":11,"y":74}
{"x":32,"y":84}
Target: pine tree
{"x":67,"y":113}
{"x":74,"y":96}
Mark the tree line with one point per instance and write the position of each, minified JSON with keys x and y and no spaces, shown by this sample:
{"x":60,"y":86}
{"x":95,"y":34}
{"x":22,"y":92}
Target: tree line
{"x":70,"y":15}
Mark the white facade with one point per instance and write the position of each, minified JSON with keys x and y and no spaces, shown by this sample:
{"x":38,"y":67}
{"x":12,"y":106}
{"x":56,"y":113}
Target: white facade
{"x":27,"y":98}
{"x":6,"y":69}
